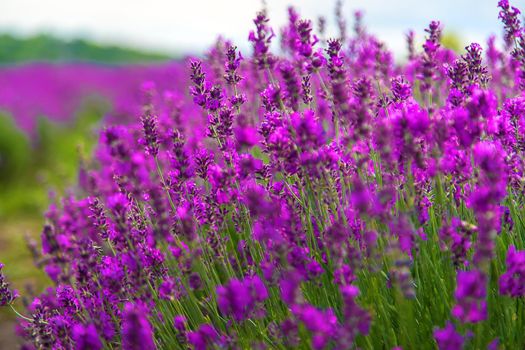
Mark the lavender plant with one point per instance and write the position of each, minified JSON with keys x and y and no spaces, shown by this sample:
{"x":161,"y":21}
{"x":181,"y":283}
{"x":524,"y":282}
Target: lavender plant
{"x":325,"y":198}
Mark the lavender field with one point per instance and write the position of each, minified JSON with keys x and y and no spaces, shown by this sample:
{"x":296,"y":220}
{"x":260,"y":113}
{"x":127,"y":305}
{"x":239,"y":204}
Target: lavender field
{"x":313,"y":192}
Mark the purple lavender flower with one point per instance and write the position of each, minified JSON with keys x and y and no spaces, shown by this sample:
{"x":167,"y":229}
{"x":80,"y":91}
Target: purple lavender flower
{"x":306,"y":90}
{"x":231,"y":74}
{"x":199,"y":90}
{"x":410,"y":44}
{"x":289,"y":286}
{"x":195,"y":281}
{"x":477,"y":73}
{"x":292,"y":84}
{"x":486,"y":198}
{"x":67,"y":299}
{"x":309,"y":132}
{"x":512,"y":282}
{"x":203,"y":159}
{"x":86,"y":337}
{"x":215,"y":98}
{"x":458,"y":235}
{"x":180,"y":322}
{"x":338,"y":80}
{"x":7,"y":296}
{"x":448,"y":338}
{"x":41,"y":327}
{"x":430,"y":47}
{"x":401,"y":89}
{"x":458,"y":74}
{"x":341,"y":22}
{"x":471,"y":290}
{"x":306,"y":40}
{"x":356,"y":319}
{"x":167,"y":289}
{"x":149,"y":124}
{"x":239,"y":298}
{"x":509,"y":16}
{"x":204,"y":338}
{"x":261,"y":39}
{"x":136,"y":329}
{"x":321,"y":323}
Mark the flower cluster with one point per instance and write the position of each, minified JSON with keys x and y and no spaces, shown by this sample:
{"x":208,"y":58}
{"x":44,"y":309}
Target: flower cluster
{"x":448,"y":338}
{"x":323,"y":198}
{"x":7,"y":296}
{"x":512,"y":282}
{"x":239,"y":298}
{"x":470,"y":294}
{"x":35,"y":90}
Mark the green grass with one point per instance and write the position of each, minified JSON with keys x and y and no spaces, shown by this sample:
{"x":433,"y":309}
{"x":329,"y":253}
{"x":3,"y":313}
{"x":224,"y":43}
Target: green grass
{"x":45,"y":47}
{"x":47,"y":161}
{"x":31,"y":168}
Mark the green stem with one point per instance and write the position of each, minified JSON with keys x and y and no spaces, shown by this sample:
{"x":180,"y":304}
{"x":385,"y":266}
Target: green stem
{"x":19,"y":314}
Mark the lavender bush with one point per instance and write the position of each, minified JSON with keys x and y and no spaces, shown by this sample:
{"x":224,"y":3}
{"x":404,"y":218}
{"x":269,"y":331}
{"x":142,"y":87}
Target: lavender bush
{"x":323,"y":198}
{"x":56,"y":92}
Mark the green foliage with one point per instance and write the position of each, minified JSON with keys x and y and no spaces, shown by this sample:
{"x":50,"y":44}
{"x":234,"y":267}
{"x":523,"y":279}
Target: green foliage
{"x":45,"y":47}
{"x":49,"y":162}
{"x":28,"y":170}
{"x":14,"y":151}
{"x":452,"y":41}
{"x":61,"y":145}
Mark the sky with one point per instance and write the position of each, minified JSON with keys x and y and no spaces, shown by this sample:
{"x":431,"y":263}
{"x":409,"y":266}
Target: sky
{"x":190,"y":26}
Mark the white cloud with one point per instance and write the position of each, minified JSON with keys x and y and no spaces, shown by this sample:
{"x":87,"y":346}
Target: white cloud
{"x":193,"y":24}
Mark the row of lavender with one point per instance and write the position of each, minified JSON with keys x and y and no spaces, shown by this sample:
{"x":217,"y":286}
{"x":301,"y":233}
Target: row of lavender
{"x":57,"y":91}
{"x":324,"y":198}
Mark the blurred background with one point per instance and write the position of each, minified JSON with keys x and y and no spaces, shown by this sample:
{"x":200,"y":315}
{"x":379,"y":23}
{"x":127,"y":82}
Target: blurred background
{"x":67,"y":65}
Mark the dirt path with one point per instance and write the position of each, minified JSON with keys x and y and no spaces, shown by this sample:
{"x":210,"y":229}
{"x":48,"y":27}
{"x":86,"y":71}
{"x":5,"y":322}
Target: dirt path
{"x":8,"y":340}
